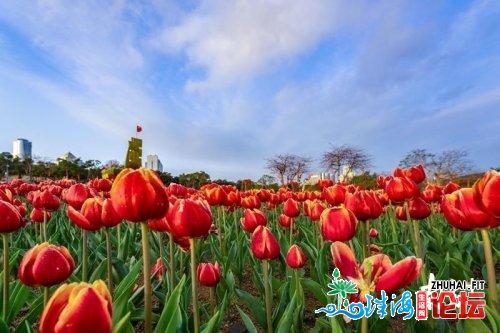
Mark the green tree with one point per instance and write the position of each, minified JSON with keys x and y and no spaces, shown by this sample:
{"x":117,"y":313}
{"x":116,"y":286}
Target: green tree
{"x":195,"y":179}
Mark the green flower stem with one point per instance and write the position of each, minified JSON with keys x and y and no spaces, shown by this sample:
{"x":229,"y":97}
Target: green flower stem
{"x":171,"y":269}
{"x":490,"y":267}
{"x":194,"y":285}
{"x":119,"y":237}
{"x":6,"y":275}
{"x":291,"y":232}
{"x":45,"y":296}
{"x":109,"y":260}
{"x":160,"y":244}
{"x":366,"y":238}
{"x":148,"y":328}
{"x":268,"y":295}
{"x":44,"y":225}
{"x":85,"y":256}
{"x":415,"y":232}
{"x":364,"y":324}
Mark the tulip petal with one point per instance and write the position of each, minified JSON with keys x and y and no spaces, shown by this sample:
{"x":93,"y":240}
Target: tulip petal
{"x":402,"y":274}
{"x":344,"y":260}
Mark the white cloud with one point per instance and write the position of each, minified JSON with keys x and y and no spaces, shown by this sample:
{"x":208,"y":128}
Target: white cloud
{"x":234,"y":40}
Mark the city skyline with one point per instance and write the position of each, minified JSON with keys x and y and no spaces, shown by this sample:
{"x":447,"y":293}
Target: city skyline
{"x":214,"y":90}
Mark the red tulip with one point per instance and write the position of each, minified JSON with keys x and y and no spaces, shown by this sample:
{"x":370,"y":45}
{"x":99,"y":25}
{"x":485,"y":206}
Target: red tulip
{"x":208,"y":274}
{"x":76,"y":195}
{"x":94,"y":214}
{"x":264,"y":245}
{"x":487,"y":192}
{"x":400,"y":189}
{"x":295,"y":257}
{"x":190,"y":218}
{"x":215,"y":195}
{"x":450,"y":187}
{"x":10,"y":219}
{"x":334,"y":195}
{"x":177,"y":190}
{"x":250,"y":202}
{"x":338,"y":224}
{"x":252,"y":218}
{"x":418,"y":208}
{"x":432,"y":193}
{"x":45,"y":200}
{"x":373,"y":232}
{"x":158,"y":270}
{"x":375,"y":273}
{"x":100,"y":184}
{"x":415,"y":173}
{"x":315,"y":210}
{"x":285,"y":221}
{"x":36,"y":215}
{"x":46,"y":265}
{"x":139,"y":195}
{"x":463,"y":212}
{"x":364,"y":204}
{"x":291,"y":208}
{"x":78,"y":308}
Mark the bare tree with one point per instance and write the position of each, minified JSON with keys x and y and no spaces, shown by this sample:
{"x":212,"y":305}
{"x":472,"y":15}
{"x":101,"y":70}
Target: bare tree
{"x":451,"y":164}
{"x":266,"y":180}
{"x":345,"y":159}
{"x":418,"y":156}
{"x":300,"y":165}
{"x":446,"y":165}
{"x":288,"y":167}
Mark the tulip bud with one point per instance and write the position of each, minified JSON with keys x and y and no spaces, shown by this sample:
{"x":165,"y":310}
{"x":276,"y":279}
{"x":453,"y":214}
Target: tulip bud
{"x":419,"y":209}
{"x":373,"y":232}
{"x":46,"y":265}
{"x":291,"y":208}
{"x":190,"y":218}
{"x":158,"y":270}
{"x":338,"y":224}
{"x":46,"y":200}
{"x":264,"y":245}
{"x":295,"y":257}
{"x":10,"y":219}
{"x":252,"y":218}
{"x":208,"y":274}
{"x":78,"y":308}
{"x":76,"y":195}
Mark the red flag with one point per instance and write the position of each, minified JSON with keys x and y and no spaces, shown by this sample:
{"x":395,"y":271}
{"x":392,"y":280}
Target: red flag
{"x":138,"y":129}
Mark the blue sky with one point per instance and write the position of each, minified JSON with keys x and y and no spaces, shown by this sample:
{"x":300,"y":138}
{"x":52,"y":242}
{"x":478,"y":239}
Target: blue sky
{"x":221,"y":85}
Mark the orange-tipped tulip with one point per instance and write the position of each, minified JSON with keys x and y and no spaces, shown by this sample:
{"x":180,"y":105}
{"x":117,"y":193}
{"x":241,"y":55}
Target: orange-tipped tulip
{"x":400,"y":189}
{"x":338,"y":224}
{"x":208,"y":274}
{"x":78,"y":308}
{"x":139,"y":195}
{"x":94,"y":214}
{"x":285,"y":221}
{"x":264,"y":245}
{"x":334,"y":195}
{"x":46,"y":265}
{"x":487,"y":191}
{"x":463,"y":212}
{"x":252,"y":218}
{"x":295,"y":257}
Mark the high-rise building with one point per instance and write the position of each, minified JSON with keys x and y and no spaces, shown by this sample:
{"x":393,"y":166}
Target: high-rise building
{"x":154,"y":163}
{"x":21,"y":148}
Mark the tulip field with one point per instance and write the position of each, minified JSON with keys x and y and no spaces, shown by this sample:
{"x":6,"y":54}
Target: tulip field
{"x":132,"y":254}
